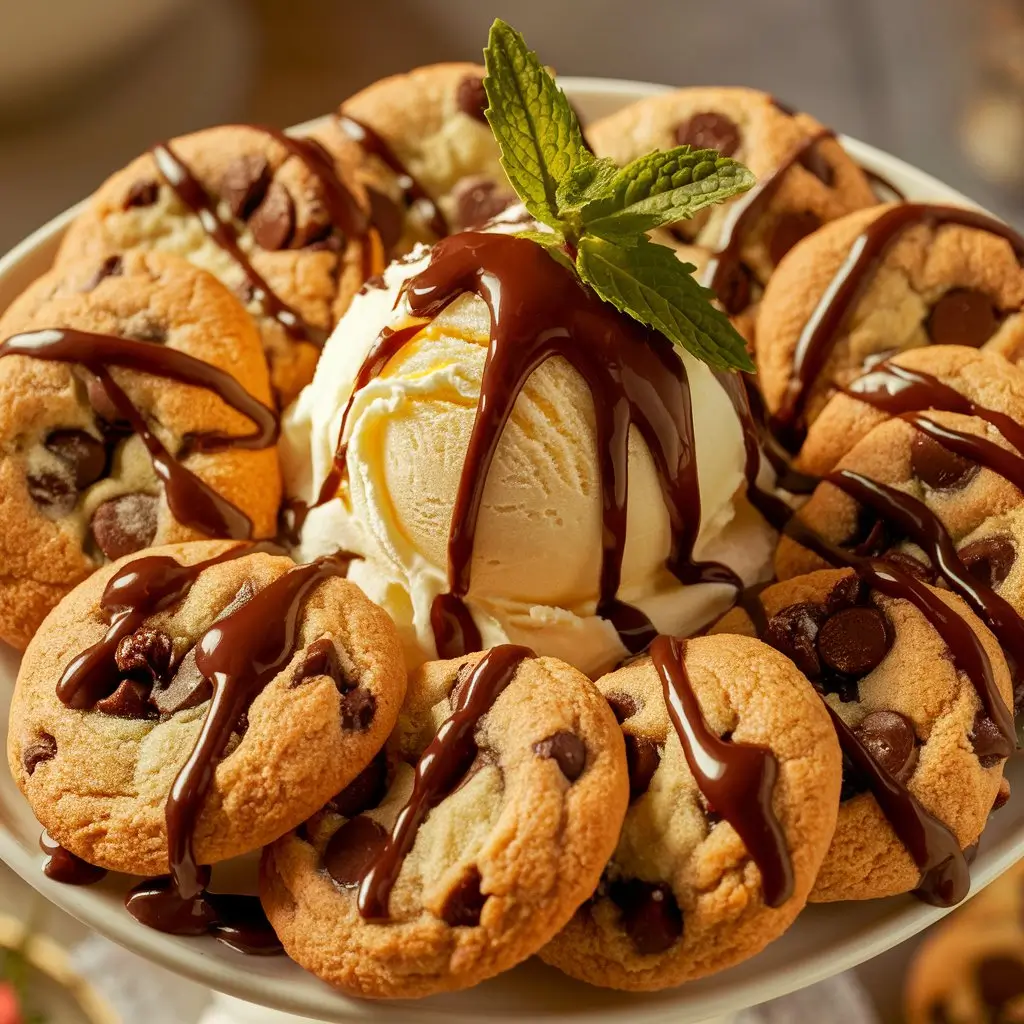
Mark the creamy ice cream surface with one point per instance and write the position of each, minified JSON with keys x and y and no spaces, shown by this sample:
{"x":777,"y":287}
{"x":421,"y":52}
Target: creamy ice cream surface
{"x":537,"y":555}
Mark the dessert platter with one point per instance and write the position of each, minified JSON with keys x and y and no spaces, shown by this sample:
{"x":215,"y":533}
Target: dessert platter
{"x":455,"y":556}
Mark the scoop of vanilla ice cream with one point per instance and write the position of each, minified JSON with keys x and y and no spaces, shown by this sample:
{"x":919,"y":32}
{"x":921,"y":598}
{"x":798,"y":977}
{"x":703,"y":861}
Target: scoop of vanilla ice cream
{"x":537,"y":555}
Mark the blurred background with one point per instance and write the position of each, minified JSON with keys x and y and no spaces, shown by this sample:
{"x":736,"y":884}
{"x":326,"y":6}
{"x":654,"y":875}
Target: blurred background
{"x":86,"y":84}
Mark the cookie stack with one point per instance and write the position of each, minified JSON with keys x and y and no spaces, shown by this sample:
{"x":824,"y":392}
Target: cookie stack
{"x":190,"y":694}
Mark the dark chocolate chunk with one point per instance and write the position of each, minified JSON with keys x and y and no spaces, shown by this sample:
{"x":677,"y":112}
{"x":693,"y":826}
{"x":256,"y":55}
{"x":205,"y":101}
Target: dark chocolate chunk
{"x":353,"y":849}
{"x":143,"y":192}
{"x":813,"y":160}
{"x":1000,"y":980}
{"x":53,"y":493}
{"x":623,"y":706}
{"x":791,"y":228}
{"x":567,"y":749}
{"x":145,"y":655}
{"x":963,"y":316}
{"x":990,"y":559}
{"x":642,"y":759}
{"x":464,"y":904}
{"x":273,"y":222}
{"x":848,"y":591}
{"x":736,"y":289}
{"x":110,"y":267}
{"x":710,"y":130}
{"x":889,"y":739}
{"x":321,"y":659}
{"x":988,"y":742}
{"x":907,"y":563}
{"x":358,"y":707}
{"x":187,"y":688}
{"x":85,"y":455}
{"x":124,"y":525}
{"x":472,"y":97}
{"x":244,"y":183}
{"x":129,"y":700}
{"x":793,"y":631}
{"x":650,"y":914}
{"x":478,"y":199}
{"x":854,"y":641}
{"x":365,"y":791}
{"x":937,"y":466}
{"x":43,"y":748}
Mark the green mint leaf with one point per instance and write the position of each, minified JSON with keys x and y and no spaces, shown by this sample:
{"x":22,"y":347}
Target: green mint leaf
{"x":647,"y":282}
{"x":539,"y":138}
{"x":553,"y":242}
{"x":662,"y":188}
{"x":586,"y":183}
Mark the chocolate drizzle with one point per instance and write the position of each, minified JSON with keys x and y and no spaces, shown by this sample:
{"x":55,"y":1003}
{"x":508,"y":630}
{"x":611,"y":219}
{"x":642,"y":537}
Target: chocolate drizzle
{"x":736,"y":779}
{"x":63,"y":866}
{"x":413,"y":193}
{"x":442,"y":764}
{"x":845,"y":290}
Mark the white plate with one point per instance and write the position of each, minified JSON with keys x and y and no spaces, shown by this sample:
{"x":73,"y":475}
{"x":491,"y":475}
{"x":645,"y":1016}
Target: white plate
{"x":824,"y":941}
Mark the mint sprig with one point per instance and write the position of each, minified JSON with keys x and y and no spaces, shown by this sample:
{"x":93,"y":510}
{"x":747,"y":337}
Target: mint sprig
{"x":600,"y":213}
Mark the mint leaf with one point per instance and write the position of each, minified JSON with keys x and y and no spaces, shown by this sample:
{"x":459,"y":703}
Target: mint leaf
{"x":648,"y":282}
{"x":662,"y":188}
{"x":586,"y":183}
{"x":539,"y":138}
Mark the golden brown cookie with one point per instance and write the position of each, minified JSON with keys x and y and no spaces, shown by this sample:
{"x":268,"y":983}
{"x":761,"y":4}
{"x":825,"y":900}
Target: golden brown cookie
{"x":684,"y":895}
{"x":907,"y":695}
{"x":297,"y":244}
{"x":77,"y":483}
{"x":98,"y":770}
{"x":521,"y":766}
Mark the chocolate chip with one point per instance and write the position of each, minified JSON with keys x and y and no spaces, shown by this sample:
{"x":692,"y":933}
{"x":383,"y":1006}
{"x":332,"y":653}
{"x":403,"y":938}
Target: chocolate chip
{"x":358,"y":707}
{"x":791,"y":228}
{"x":736,"y":288}
{"x":54,"y":494}
{"x":129,"y":700}
{"x":145,"y":655}
{"x":321,"y":659}
{"x":1000,"y":980}
{"x":988,"y":742}
{"x":814,"y":161}
{"x":709,"y":130}
{"x":104,"y":407}
{"x":910,"y":565}
{"x":793,"y":631}
{"x":44,"y":748}
{"x":110,"y":267}
{"x":273,"y":221}
{"x":244,"y":183}
{"x":889,"y":739}
{"x":365,"y":791}
{"x":963,"y":316}
{"x":623,"y":706}
{"x":472,"y":97}
{"x":847,"y":591}
{"x":650,"y":914}
{"x":937,"y":466}
{"x":642,"y":759}
{"x":84,"y":454}
{"x":854,"y":641}
{"x":478,"y":200}
{"x":567,"y":749}
{"x":464,"y":904}
{"x":387,"y":217}
{"x":989,"y":560}
{"x":142,"y":193}
{"x":187,"y":688}
{"x":126,"y":524}
{"x":353,"y":849}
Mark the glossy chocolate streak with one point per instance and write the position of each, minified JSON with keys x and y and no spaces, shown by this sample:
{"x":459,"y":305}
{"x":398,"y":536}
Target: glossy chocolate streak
{"x":726,"y":260}
{"x":444,"y":762}
{"x":412,"y":191}
{"x":915,"y":519}
{"x":539,"y":310}
{"x":736,"y":779}
{"x":945,"y":877}
{"x":191,"y":192}
{"x":143,"y":587}
{"x":63,"y":866}
{"x":846,"y":289}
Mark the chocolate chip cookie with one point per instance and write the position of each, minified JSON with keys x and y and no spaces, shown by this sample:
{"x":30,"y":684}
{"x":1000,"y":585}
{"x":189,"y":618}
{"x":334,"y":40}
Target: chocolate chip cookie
{"x":280,"y":221}
{"x":113,"y":704}
{"x":471,"y":845}
{"x":133,"y":411}
{"x":734,"y":775}
{"x":806,"y":179}
{"x":970,"y":968}
{"x":426,"y":153}
{"x":906,"y":680}
{"x":911,"y":274}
